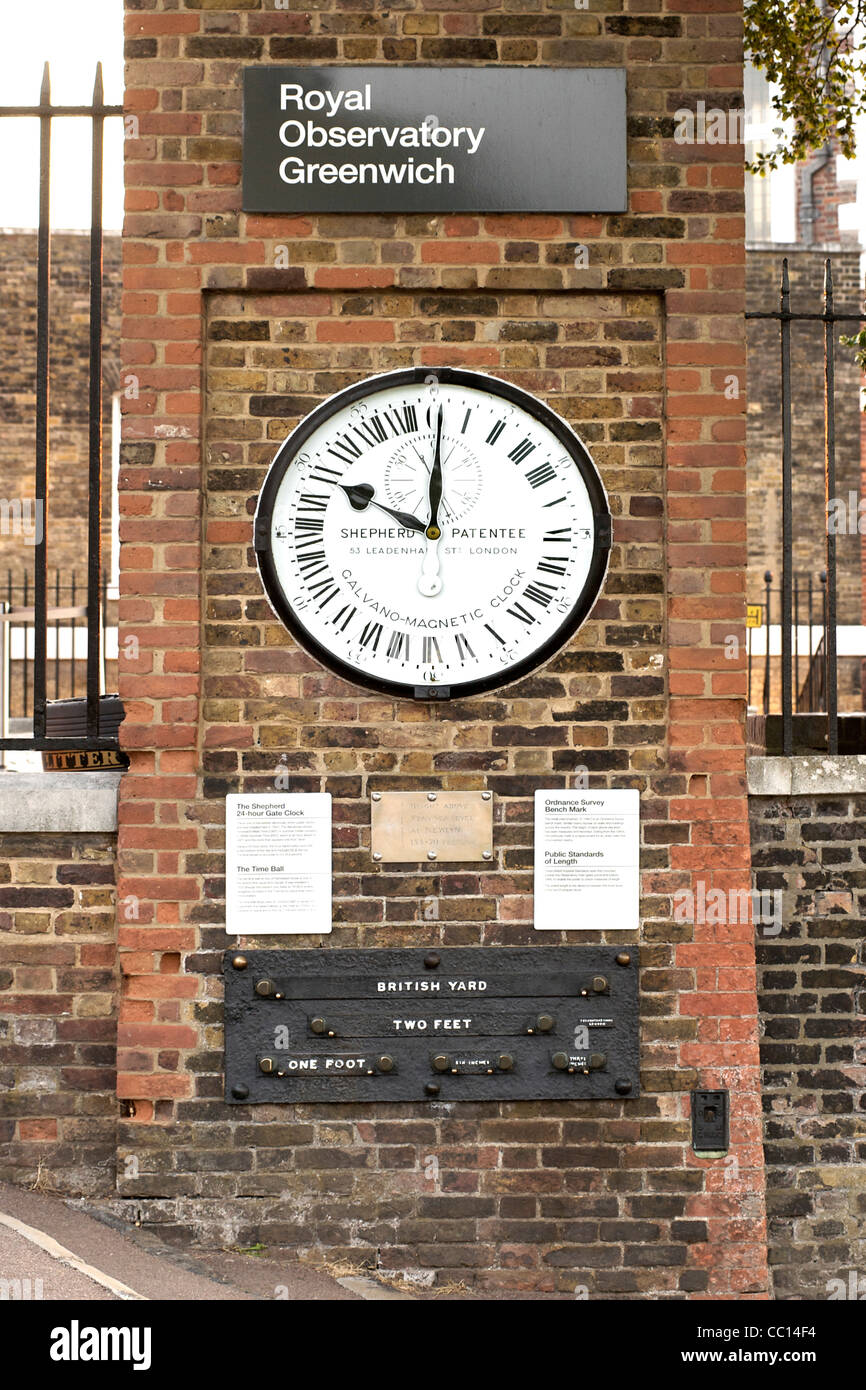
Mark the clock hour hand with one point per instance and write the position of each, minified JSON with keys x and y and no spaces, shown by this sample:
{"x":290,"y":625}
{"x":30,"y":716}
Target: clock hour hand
{"x":361,"y":496}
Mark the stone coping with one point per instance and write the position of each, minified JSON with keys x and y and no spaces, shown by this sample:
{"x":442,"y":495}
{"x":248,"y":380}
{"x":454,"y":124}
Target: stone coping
{"x":816,"y":774}
{"x":41,"y":803}
{"x":86,"y":802}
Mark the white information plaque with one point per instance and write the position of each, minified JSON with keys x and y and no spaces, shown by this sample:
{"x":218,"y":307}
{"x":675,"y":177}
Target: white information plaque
{"x":587,"y":860}
{"x":278,"y":863}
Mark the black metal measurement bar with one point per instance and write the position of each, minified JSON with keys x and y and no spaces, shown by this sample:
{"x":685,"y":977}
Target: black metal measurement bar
{"x":465,"y":1023}
{"x":436,"y":1021}
{"x":495,"y":986}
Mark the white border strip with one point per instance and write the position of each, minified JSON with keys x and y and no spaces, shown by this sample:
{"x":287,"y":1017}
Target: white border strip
{"x":67,"y":1257}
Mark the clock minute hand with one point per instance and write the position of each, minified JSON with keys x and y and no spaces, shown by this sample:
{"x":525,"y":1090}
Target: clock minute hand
{"x":436,"y":483}
{"x":361,"y":496}
{"x":429,"y":582}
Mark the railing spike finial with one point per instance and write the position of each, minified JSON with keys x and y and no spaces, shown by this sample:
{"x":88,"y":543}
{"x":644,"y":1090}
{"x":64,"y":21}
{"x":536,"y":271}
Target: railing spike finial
{"x":45,"y":89}
{"x":828,"y":286}
{"x":786,"y":284}
{"x":98,"y":90}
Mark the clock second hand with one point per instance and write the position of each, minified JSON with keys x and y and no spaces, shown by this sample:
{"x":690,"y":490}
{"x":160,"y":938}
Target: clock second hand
{"x":429,"y":582}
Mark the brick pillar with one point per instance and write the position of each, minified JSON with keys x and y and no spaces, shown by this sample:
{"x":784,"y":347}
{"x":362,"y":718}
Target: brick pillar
{"x":643,"y":352}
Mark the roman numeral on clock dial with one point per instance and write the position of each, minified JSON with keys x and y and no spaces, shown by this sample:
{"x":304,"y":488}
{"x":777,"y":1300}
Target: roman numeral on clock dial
{"x":430,"y":651}
{"x":403,"y":419}
{"x":552,"y":564}
{"x":522,"y":451}
{"x":370,"y":635}
{"x":371,"y":429}
{"x":345,"y":449}
{"x":537,"y":477}
{"x":518,"y":611}
{"x":323,"y":474}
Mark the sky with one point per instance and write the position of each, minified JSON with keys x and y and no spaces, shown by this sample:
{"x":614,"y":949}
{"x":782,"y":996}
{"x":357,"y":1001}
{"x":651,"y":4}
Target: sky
{"x":72,"y":35}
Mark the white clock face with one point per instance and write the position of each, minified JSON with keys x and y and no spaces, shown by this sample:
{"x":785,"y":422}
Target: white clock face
{"x":432,"y":534}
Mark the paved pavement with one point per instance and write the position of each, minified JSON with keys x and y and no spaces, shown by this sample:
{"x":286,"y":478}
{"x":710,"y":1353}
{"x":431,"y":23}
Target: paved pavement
{"x":78,"y":1257}
{"x":67,"y":1252}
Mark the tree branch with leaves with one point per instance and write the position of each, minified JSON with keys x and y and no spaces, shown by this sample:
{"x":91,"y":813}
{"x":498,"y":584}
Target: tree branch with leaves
{"x":814,"y":54}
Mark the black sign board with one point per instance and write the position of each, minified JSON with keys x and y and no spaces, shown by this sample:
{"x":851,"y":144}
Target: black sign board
{"x":416,"y":139}
{"x":470,"y":1023}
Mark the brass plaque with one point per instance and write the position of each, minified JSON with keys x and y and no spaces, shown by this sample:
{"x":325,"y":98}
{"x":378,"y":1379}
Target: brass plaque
{"x":454,"y":827}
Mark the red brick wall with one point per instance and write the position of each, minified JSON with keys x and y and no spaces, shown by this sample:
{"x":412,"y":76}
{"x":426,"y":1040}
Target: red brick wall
{"x":635,"y":352}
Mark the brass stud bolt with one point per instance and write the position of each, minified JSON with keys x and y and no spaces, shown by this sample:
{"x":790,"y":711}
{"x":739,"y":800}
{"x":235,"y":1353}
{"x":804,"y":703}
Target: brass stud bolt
{"x":239,"y":962}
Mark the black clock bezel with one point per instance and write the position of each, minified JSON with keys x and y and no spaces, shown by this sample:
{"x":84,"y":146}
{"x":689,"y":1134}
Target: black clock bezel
{"x":456,"y":376}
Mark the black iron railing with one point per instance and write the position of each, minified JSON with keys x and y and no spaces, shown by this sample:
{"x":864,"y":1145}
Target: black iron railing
{"x":829,"y":662}
{"x":66,"y":617}
{"x":45,"y":112}
{"x":809,"y":643}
